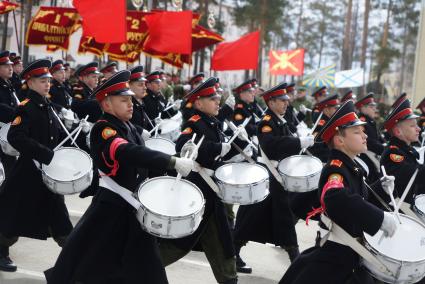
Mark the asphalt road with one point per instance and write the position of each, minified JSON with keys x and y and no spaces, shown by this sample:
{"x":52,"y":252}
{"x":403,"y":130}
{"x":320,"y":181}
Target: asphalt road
{"x":268,"y":262}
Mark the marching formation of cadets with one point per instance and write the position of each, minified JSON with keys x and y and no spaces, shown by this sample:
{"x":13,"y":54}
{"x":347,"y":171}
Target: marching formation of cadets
{"x":121,"y":109}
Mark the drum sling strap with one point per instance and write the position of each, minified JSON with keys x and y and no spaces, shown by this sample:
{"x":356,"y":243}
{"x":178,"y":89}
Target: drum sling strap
{"x":108,"y":183}
{"x":203,"y":172}
{"x":269,"y":165}
{"x":339,"y":235}
{"x":405,"y":207}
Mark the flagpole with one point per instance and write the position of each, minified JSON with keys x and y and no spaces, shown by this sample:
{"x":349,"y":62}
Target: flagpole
{"x":16,"y":32}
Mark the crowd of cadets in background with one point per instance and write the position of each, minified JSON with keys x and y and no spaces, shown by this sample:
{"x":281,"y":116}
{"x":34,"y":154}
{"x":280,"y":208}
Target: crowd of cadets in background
{"x":276,"y":118}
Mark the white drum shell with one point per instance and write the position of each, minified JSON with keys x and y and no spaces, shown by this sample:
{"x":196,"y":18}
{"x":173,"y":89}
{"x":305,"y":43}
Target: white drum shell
{"x":70,"y":186}
{"x":161,"y":144}
{"x":169,"y":227}
{"x":4,"y":143}
{"x":404,"y":271}
{"x":170,"y":129}
{"x":419,"y":207}
{"x":2,"y":174}
{"x":305,"y":182}
{"x":235,"y":191}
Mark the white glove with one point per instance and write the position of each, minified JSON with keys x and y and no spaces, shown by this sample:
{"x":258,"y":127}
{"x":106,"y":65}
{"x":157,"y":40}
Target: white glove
{"x":225,"y":148}
{"x":389,"y":225}
{"x":157,"y":120}
{"x":184,"y":166}
{"x":423,"y":134}
{"x":242,"y":132}
{"x":189,"y":150}
{"x":307,"y":141}
{"x":187,"y":87}
{"x":145,"y":135}
{"x":387,"y":183}
{"x":177,"y":105}
{"x":37,"y":164}
{"x":85,"y":125}
{"x":230,"y":101}
{"x":303,"y":109}
{"x":63,"y":112}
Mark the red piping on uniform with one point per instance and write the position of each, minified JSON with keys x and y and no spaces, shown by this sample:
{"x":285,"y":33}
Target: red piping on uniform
{"x":112,"y":151}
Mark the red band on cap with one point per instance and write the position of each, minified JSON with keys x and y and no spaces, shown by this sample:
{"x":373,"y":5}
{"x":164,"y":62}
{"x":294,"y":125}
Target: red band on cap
{"x":137,"y":75}
{"x":108,"y":69}
{"x":361,"y":103}
{"x":56,"y":67}
{"x":323,"y":105}
{"x":196,"y":80}
{"x":331,"y":130}
{"x":276,"y":93}
{"x":322,"y":92}
{"x":290,"y":89}
{"x":393,"y":120}
{"x":4,"y":59}
{"x":152,"y":77}
{"x":87,"y":71}
{"x":202,"y":93}
{"x":244,"y":88}
{"x":37,"y":72}
{"x":103,"y":93}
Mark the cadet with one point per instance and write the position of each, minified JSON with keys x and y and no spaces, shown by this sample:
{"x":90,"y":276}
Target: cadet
{"x":83,"y":102}
{"x":58,"y":91}
{"x":32,"y":210}
{"x":213,"y":234}
{"x":271,"y":221}
{"x":342,"y":195}
{"x":108,"y":244}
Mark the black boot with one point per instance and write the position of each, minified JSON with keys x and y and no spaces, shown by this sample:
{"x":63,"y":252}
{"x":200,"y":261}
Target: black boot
{"x":231,"y":281}
{"x":293,"y":253}
{"x":6,"y":264}
{"x":241,"y":266}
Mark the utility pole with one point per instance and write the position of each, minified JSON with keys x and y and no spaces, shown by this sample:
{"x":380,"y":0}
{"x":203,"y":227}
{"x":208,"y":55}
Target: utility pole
{"x":419,"y":74}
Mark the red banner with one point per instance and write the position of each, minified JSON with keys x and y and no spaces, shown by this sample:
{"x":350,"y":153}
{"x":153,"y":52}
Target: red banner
{"x":289,"y":62}
{"x":88,"y":44}
{"x":52,"y":26}
{"x":6,"y":7}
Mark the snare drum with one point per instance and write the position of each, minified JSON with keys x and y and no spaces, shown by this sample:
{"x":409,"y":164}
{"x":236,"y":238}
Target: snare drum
{"x":403,"y":253}
{"x":300,"y":173}
{"x":69,"y":172}
{"x":161,"y":145}
{"x":170,"y":129}
{"x":170,"y":210}
{"x":5,"y":146}
{"x":242,"y":183}
{"x":419,"y":206}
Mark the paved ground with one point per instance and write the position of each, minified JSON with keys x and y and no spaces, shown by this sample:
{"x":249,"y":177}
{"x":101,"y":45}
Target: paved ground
{"x":268,"y":262}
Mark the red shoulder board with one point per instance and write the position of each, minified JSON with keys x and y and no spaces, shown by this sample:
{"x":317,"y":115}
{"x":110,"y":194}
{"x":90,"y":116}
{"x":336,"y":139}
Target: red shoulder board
{"x":24,"y":102}
{"x":322,"y":122}
{"x":362,"y":118}
{"x":195,"y":118}
{"x":239,"y":106}
{"x":336,"y":163}
{"x":393,"y":147}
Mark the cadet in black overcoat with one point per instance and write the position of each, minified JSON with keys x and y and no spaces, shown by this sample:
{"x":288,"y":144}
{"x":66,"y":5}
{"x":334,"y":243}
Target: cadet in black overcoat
{"x":83,"y":102}
{"x":108,"y":244}
{"x":33,"y":210}
{"x":272,"y":221}
{"x":213,"y":234}
{"x":343,"y":199}
{"x":59,"y":93}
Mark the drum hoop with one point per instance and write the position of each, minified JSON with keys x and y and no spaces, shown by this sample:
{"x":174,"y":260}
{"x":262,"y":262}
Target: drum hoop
{"x":416,"y":209}
{"x":161,"y":138}
{"x":74,"y":180}
{"x":310,"y":157}
{"x":166,"y":216}
{"x":394,"y":260}
{"x":188,"y":216}
{"x":246,"y":184}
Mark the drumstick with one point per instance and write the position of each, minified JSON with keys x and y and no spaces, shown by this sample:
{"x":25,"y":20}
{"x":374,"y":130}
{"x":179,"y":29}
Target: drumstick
{"x":409,"y":185}
{"x":233,"y":127}
{"x":157,"y":128}
{"x":312,"y":130}
{"x":67,"y":138}
{"x":391,"y":195}
{"x":63,"y":126}
{"x":236,"y":133}
{"x":81,"y":128}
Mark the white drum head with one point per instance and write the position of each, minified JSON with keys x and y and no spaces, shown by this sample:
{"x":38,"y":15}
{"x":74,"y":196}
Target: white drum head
{"x":241,"y":173}
{"x":169,"y":125}
{"x":300,"y":166}
{"x":68,"y":164}
{"x":407,"y":244}
{"x":161,"y":145}
{"x":158,"y":196}
{"x":420,"y":202}
{"x":3,"y":132}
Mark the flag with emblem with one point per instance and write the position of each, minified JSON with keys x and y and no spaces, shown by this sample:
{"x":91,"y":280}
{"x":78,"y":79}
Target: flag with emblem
{"x":322,"y":77}
{"x":6,"y":7}
{"x":349,"y":78}
{"x":289,"y":62}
